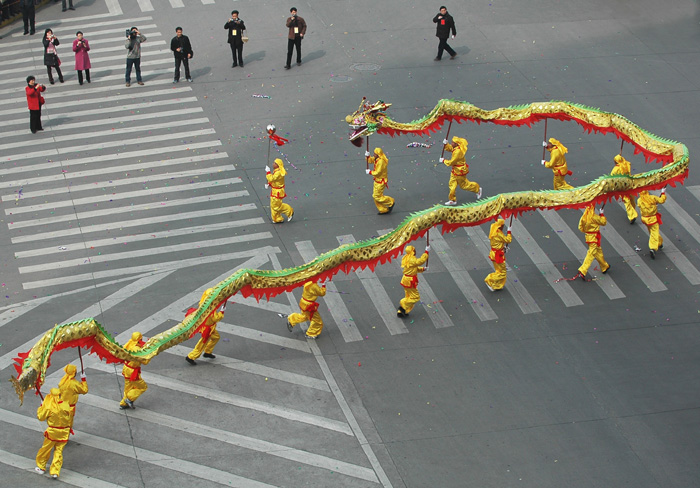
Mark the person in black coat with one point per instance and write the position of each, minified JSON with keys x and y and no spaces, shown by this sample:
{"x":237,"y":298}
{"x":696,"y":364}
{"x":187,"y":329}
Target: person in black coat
{"x":51,"y":56}
{"x":182,"y":50}
{"x":445,"y":24}
{"x":28,"y":14}
{"x":235,"y":28}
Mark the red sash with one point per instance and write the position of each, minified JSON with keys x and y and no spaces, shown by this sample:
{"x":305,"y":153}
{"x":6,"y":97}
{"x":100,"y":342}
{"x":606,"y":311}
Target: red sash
{"x":135,"y":374}
{"x":465,"y":167}
{"x":499,"y":256}
{"x":414,"y":281}
{"x":380,"y":181}
{"x":311,"y":307}
{"x":597,"y":234}
{"x":276,"y":188}
{"x":658,"y":220}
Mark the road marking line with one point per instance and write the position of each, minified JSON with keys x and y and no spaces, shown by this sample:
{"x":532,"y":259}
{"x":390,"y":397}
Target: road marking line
{"x":549,"y":271}
{"x":266,"y":337}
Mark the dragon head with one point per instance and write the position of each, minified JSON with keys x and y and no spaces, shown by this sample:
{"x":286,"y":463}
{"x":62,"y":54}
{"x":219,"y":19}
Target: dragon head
{"x":367,"y":119}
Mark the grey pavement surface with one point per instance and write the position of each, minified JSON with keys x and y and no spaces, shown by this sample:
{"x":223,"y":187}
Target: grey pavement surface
{"x":134,"y":200}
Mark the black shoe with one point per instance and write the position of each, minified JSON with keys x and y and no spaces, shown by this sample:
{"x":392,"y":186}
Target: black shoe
{"x":61,"y":80}
{"x":191,"y":361}
{"x":241,"y":64}
{"x":63,"y":10}
{"x":80,"y":83}
{"x":52,"y":82}
{"x":286,"y":66}
{"x":299,"y":63}
{"x":652,"y":254}
{"x":234,"y":65}
{"x":401,"y":312}
{"x":71,"y":8}
{"x":581,"y":275}
{"x":33,"y":132}
{"x":633,"y":221}
{"x":437,"y":59}
{"x":210,"y":356}
{"x":606,"y":269}
{"x":26,"y":32}
{"x":391,"y":208}
{"x":661,"y":246}
{"x":453,"y":56}
{"x":290,"y":327}
{"x":123,"y":407}
{"x":31,"y":33}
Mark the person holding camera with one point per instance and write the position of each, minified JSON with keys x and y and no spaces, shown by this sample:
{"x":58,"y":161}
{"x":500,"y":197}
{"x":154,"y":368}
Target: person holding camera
{"x":34,"y":101}
{"x":133,"y":57}
{"x":51,"y":55}
{"x":445,"y":24}
{"x":182,"y":49}
{"x":235,"y":27}
{"x":297,"y":30}
{"x":81,"y":46}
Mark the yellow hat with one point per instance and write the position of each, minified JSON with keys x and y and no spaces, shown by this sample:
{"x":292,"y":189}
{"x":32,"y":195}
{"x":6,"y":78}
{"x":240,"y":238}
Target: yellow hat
{"x":495,"y":227}
{"x":559,"y":145}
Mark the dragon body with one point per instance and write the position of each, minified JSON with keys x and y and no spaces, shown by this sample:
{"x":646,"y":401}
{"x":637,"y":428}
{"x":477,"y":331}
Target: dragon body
{"x":32,"y":366}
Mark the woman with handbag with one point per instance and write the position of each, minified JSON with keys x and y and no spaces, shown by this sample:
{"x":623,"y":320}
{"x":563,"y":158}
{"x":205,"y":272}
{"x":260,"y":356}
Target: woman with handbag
{"x":34,"y":101}
{"x":51,"y":55}
{"x":81,"y":46}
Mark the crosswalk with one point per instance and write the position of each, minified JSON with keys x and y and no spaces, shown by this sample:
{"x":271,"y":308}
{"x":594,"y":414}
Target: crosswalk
{"x":112,"y":160}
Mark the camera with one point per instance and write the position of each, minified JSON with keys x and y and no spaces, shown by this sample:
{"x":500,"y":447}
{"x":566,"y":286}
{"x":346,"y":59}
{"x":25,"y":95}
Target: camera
{"x":131,"y":34}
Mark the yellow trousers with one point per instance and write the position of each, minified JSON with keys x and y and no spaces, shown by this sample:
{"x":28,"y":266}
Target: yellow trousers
{"x":463,"y":183}
{"x":133,"y":390}
{"x":207,"y":347}
{"x":655,"y":239}
{"x":629,"y":207}
{"x":409,"y":301}
{"x":315,"y":322}
{"x":594,"y":252}
{"x":497,"y":279}
{"x":42,"y":457}
{"x":277,"y":208}
{"x":381,"y":201}
{"x":560,"y":183}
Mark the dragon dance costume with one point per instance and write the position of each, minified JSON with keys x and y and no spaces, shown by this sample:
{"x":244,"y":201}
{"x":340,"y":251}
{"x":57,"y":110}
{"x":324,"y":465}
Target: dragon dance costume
{"x":652,"y":219}
{"x":499,"y":240}
{"x":210,"y":336}
{"x":57,"y":414}
{"x":557,"y":163}
{"x":309,"y":310}
{"x":275,"y":180}
{"x":384,"y":204}
{"x":134,"y":385}
{"x":411,"y":267}
{"x":460,"y":169}
{"x":624,"y":168}
{"x":70,"y":389}
{"x":590,"y":225}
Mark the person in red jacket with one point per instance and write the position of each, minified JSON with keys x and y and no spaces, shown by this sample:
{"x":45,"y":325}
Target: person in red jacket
{"x":34,"y":101}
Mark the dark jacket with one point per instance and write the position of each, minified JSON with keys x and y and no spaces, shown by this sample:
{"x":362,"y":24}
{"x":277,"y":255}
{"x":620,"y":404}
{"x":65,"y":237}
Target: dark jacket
{"x":50,"y":59}
{"x":181,"y":42}
{"x":444,"y":25}
{"x":232,"y":26}
{"x":293,"y":22}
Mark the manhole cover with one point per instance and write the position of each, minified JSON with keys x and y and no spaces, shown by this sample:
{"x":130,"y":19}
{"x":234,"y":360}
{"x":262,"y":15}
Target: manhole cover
{"x":365,"y":67}
{"x":340,"y":79}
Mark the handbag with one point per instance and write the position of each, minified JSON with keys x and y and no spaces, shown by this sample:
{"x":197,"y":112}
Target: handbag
{"x":244,"y":38}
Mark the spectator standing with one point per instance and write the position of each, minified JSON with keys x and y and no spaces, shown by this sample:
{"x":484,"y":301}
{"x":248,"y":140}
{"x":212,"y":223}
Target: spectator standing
{"x":51,"y":59}
{"x":70,"y":5}
{"x":81,"y":46}
{"x":34,"y":102}
{"x":445,"y":24}
{"x":235,"y":27}
{"x":28,"y":14}
{"x":297,"y":30}
{"x":133,"y":57}
{"x":182,"y":50}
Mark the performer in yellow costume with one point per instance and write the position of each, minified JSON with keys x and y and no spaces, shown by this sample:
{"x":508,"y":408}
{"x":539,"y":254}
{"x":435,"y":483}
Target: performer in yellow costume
{"x":590,"y":225}
{"x":384,"y":203}
{"x":57,"y":414}
{"x":275,"y":181}
{"x":647,"y":206}
{"x":134,"y":385}
{"x":557,"y":163}
{"x":460,"y":168}
{"x":624,"y":168}
{"x":497,"y":279}
{"x":309,"y":310}
{"x":210,"y":336}
{"x":411,"y":267}
{"x":71,"y":388}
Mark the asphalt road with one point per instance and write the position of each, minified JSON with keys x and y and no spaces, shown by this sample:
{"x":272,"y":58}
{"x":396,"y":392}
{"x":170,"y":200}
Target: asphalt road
{"x":134,"y":200}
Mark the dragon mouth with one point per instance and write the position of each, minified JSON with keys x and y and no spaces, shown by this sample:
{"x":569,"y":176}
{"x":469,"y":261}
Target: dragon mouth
{"x":358,"y":131}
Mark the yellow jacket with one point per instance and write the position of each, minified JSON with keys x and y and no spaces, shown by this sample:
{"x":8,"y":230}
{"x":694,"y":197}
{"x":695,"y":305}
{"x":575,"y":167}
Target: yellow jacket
{"x":647,"y":205}
{"x":622,"y":167}
{"x":557,"y":162}
{"x":381,"y":167}
{"x":56,"y":413}
{"x":498,"y":241}
{"x":411,"y":267}
{"x":71,"y":389}
{"x":590,"y":225}
{"x":458,"y":161}
{"x":276,"y":180}
{"x":309,"y":295}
